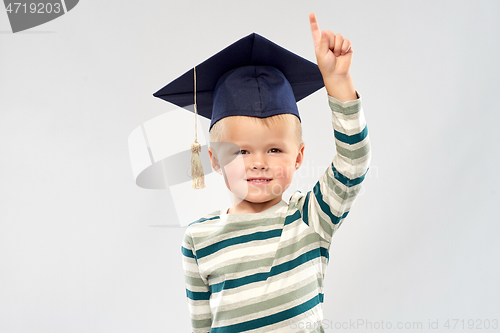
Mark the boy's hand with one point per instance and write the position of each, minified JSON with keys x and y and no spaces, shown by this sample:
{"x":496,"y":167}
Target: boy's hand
{"x":334,"y":57}
{"x":333,"y":52}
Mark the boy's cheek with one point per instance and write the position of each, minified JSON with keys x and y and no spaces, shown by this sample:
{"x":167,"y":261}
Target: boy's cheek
{"x":234,"y":174}
{"x":236,"y":184}
{"x":235,"y":167}
{"x":284,"y":171}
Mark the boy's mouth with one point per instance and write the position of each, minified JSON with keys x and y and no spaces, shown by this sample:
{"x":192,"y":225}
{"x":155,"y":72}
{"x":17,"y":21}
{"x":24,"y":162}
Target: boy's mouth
{"x":258,"y":180}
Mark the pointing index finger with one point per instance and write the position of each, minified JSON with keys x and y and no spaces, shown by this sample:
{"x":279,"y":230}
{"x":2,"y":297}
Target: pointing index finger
{"x":316,"y":33}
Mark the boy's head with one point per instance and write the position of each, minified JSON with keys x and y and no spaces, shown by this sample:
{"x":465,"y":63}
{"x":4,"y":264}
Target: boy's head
{"x":250,"y":90}
{"x":245,"y":149}
{"x":256,"y":125}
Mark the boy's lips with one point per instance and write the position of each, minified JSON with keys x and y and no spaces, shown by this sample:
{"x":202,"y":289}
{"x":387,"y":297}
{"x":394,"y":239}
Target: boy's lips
{"x":258,"y":180}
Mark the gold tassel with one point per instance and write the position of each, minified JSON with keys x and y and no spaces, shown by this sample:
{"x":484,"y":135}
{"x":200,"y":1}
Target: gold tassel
{"x":197,"y":174}
{"x":196,"y":167}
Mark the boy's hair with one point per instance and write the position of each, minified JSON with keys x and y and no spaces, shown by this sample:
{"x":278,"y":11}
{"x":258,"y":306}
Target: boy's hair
{"x":218,"y":129}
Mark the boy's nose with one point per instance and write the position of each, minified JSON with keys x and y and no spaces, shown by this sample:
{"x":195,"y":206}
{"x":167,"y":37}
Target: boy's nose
{"x":260,"y":166}
{"x":259,"y":163}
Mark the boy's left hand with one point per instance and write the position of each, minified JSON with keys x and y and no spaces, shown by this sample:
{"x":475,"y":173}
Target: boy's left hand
{"x":333,"y":52}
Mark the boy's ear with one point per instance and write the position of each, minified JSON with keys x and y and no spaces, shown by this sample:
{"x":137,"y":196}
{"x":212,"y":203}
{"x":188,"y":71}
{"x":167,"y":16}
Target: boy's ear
{"x":214,"y":161}
{"x":300,"y":156}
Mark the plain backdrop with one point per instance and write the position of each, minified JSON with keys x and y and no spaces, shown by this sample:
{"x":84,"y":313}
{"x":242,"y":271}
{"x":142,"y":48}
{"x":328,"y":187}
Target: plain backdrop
{"x":84,"y":249}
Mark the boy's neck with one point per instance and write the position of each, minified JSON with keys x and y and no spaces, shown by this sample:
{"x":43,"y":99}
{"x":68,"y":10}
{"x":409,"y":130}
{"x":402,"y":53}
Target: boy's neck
{"x":252,"y":207}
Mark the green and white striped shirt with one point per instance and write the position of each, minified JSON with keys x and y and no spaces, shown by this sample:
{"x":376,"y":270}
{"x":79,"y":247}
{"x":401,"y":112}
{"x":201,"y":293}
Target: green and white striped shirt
{"x":264,"y":272}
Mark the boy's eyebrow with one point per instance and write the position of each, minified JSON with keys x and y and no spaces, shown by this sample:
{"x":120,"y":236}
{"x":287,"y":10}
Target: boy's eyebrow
{"x":251,"y":140}
{"x":266,"y":146}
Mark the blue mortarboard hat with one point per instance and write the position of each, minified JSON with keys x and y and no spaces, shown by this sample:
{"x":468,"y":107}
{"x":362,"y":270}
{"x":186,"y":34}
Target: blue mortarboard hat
{"x":251,"y":77}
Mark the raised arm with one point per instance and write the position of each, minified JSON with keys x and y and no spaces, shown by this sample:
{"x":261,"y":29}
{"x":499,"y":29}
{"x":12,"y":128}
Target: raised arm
{"x":328,"y":203}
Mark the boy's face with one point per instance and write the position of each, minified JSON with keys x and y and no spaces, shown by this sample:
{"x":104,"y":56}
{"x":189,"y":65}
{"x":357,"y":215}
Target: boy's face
{"x":257,"y":162}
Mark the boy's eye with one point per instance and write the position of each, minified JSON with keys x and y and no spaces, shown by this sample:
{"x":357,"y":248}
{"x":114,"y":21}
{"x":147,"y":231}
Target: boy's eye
{"x":272,"y":150}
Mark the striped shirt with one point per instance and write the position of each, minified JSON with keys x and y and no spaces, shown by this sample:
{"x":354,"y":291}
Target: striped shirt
{"x":264,"y":272}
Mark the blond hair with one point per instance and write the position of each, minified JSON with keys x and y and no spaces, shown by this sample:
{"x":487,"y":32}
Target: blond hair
{"x":218,"y":129}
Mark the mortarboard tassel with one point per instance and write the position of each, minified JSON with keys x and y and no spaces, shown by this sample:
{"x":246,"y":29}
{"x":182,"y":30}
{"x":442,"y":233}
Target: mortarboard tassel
{"x":197,"y":174}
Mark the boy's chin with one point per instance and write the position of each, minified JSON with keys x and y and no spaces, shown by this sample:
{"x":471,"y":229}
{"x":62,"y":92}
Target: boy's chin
{"x":255,"y":194}
{"x":260,"y":199}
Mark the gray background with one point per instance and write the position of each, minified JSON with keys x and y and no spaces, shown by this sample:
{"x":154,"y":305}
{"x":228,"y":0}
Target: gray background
{"x":78,"y":248}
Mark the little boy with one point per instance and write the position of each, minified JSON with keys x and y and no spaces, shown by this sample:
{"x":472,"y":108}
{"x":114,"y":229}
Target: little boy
{"x":259,"y":265}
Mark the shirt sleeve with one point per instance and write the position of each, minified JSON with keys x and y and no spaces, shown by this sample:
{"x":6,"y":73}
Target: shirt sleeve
{"x":197,"y":289}
{"x":328,"y":203}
